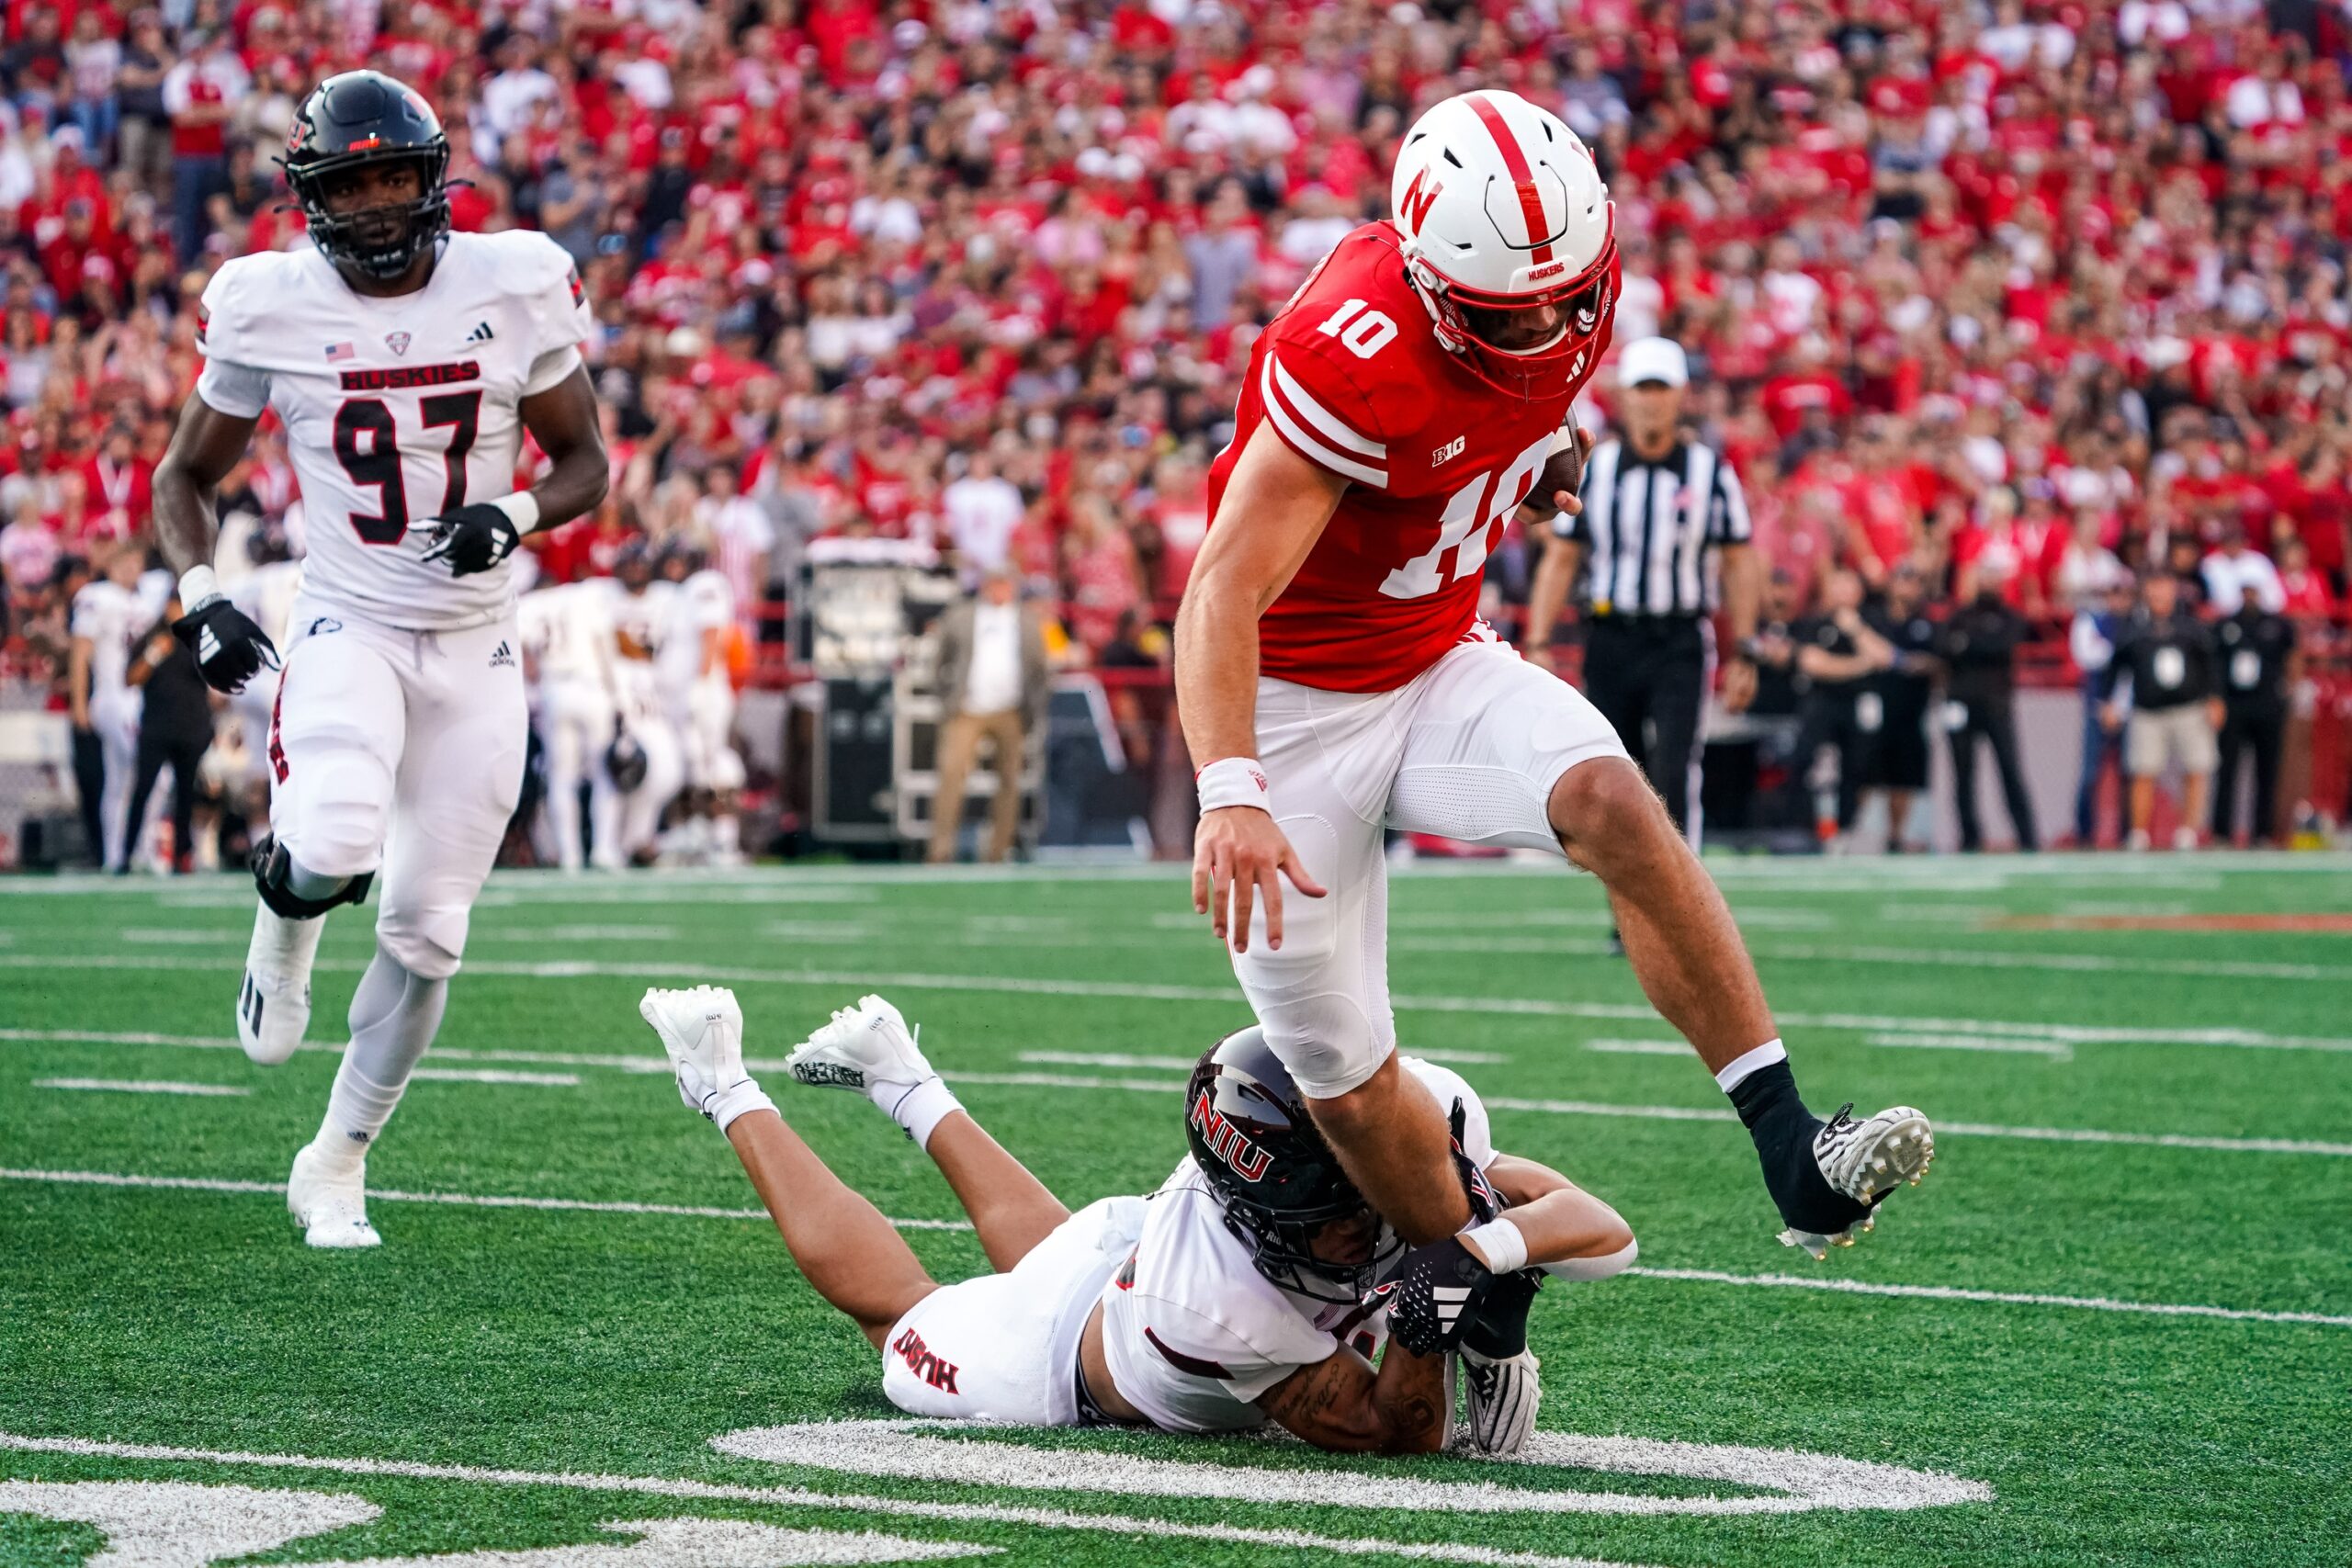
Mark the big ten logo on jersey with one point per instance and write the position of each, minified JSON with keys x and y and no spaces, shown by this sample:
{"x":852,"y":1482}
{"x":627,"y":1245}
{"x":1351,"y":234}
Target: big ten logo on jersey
{"x":368,"y":441}
{"x":1470,"y":526}
{"x":922,"y":1361}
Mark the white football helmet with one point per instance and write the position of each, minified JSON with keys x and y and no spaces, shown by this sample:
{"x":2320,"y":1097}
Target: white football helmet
{"x":1509,"y":239}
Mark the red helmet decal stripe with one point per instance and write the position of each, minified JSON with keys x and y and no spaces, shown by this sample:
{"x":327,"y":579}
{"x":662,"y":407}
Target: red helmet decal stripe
{"x":1530,"y":202}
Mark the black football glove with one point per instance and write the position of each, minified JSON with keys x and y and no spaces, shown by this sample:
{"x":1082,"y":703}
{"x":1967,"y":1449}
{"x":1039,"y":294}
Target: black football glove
{"x":473,"y":538}
{"x":228,"y":649}
{"x":1433,"y":1294}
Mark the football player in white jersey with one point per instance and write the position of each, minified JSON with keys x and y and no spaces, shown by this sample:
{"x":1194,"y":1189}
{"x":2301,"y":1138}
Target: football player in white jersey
{"x":405,"y":363}
{"x":641,"y":769}
{"x":701,"y":700}
{"x":109,"y":618}
{"x":567,"y":646}
{"x":1256,"y":1285}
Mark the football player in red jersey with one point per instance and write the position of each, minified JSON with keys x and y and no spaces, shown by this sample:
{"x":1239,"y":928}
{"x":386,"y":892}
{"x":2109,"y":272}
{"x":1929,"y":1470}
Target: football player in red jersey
{"x":1335,"y":679}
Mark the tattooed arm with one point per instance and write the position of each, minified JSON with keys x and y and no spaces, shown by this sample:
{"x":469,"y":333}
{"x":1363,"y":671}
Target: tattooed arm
{"x":1341,"y":1404}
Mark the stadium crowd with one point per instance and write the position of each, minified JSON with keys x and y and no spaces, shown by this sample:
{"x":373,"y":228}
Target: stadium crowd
{"x":2013,"y":300}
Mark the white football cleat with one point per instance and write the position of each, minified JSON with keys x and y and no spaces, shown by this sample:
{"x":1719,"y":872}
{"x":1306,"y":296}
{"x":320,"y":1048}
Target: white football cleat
{"x":864,"y":1045}
{"x":702,"y":1033}
{"x":273,"y":1003}
{"x":1866,"y":1160}
{"x":330,"y":1205}
{"x":1500,"y":1400}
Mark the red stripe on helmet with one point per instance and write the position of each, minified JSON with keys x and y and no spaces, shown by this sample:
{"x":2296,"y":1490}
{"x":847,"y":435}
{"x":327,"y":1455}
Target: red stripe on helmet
{"x":1531,"y":204}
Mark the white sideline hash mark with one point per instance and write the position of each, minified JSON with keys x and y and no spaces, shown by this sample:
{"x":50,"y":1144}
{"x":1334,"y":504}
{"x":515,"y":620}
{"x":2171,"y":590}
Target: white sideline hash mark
{"x":958,"y":1451}
{"x":145,"y":1085}
{"x":800,"y":1497}
{"x":1939,"y":1293}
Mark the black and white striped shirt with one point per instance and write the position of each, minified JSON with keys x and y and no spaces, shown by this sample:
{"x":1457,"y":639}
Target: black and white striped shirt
{"x":1647,"y":528}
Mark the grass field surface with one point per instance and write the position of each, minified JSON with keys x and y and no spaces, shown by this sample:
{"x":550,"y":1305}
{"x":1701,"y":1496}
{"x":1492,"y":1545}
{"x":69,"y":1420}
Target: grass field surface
{"x":2114,"y":1326}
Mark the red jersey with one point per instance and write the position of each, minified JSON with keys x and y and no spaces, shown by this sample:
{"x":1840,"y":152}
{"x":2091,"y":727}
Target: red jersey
{"x":1351,"y":376}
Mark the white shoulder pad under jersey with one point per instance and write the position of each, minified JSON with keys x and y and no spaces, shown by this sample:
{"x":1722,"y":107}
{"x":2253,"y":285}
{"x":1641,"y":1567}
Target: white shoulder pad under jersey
{"x":396,"y":410}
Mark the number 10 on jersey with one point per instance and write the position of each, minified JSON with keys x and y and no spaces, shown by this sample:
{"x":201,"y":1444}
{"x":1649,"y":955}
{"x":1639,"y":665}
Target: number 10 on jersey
{"x":1467,"y":528}
{"x":366,"y":443}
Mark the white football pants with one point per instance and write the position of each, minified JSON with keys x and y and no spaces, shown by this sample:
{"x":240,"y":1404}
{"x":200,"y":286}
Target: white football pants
{"x":404,"y":750}
{"x":578,"y":718}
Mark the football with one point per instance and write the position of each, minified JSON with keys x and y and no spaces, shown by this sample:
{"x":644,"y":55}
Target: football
{"x":1564,"y":470}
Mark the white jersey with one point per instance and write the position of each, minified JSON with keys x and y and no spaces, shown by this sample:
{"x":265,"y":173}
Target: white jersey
{"x":396,"y":410}
{"x":114,"y":618}
{"x":568,"y":630}
{"x":1195,"y":1334}
{"x":640,"y":625}
{"x":703,"y":604}
{"x":266,"y":595}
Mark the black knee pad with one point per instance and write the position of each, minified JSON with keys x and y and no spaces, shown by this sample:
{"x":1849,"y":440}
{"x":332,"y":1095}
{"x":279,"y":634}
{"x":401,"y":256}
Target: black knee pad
{"x":271,"y":865}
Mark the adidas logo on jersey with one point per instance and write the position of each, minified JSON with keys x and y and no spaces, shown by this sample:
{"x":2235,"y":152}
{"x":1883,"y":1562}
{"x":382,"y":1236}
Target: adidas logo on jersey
{"x":481,"y":333}
{"x":504,"y":657}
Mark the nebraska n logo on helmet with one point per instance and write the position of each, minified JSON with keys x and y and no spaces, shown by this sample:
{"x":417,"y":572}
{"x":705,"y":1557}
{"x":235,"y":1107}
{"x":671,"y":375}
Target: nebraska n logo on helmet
{"x":1276,"y":1182}
{"x":1503,"y":214}
{"x":349,"y":121}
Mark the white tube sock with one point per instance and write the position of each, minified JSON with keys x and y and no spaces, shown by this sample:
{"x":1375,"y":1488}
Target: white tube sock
{"x":917,"y":1108}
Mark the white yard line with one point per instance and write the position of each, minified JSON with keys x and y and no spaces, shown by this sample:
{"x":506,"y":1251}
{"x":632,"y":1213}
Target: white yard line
{"x":1787,"y":1281}
{"x":1177,"y":1063}
{"x":461,"y":1200}
{"x":145,"y":1085}
{"x":2057,"y":1050}
{"x":1639,"y":1047}
{"x":1173,"y":1084}
{"x":2005,"y":1298}
{"x":801,"y":1497}
{"x":2061,"y":963}
{"x":494,"y":1075}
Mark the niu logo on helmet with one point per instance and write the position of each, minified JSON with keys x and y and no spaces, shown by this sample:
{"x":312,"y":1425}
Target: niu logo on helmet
{"x":1227,"y":1142}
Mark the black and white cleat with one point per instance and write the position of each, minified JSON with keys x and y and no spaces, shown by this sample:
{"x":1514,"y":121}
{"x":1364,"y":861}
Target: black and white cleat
{"x":1867,"y":1160}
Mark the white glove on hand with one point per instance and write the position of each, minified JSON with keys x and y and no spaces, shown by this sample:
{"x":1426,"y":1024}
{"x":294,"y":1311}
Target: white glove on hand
{"x":1503,"y":1399}
{"x":702,"y":1033}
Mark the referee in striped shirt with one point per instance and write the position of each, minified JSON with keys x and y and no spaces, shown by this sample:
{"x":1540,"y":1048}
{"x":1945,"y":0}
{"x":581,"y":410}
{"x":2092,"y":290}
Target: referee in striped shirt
{"x":1655,"y":505}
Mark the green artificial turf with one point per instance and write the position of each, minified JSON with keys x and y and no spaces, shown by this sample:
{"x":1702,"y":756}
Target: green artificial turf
{"x":554,"y":1340}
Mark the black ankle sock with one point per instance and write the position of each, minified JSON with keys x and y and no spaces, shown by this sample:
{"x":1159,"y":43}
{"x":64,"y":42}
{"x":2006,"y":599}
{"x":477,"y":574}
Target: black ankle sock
{"x":1775,"y":1116}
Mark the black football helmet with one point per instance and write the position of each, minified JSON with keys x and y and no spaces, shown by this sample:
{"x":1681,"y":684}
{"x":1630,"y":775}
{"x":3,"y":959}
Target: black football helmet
{"x":1277,"y":1181}
{"x":356,"y":118}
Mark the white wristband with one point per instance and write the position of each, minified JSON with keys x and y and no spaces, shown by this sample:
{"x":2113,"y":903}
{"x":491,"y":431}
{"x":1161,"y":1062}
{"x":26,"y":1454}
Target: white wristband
{"x":744,"y":1095}
{"x":1500,"y":1244}
{"x":197,"y":587}
{"x":522,"y":509}
{"x":1233,"y":781}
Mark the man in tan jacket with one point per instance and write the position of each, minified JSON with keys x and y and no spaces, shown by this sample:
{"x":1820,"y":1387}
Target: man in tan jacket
{"x":993,"y":685}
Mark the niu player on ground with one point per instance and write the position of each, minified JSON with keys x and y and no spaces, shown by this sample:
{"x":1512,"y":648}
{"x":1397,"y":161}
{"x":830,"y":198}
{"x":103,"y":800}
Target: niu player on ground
{"x":1335,"y":680}
{"x":406,"y":363}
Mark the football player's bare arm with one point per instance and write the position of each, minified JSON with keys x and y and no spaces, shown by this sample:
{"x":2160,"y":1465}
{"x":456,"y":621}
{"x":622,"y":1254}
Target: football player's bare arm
{"x":1556,"y":573}
{"x":1559,"y":1220}
{"x":1273,"y":510}
{"x":228,"y":649}
{"x":562,"y":420}
{"x":1343,"y":1404}
{"x":205,"y":447}
{"x":77,"y":681}
{"x":1742,"y":580}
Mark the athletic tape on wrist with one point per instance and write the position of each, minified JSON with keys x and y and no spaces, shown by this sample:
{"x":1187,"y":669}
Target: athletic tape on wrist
{"x":1500,"y":1243}
{"x":1747,"y":1062}
{"x":522,"y":509}
{"x":736,"y":1100}
{"x":197,"y":587}
{"x":1233,"y":781}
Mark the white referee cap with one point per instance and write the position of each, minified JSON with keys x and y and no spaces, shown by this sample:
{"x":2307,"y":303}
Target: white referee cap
{"x":1652,"y":359}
